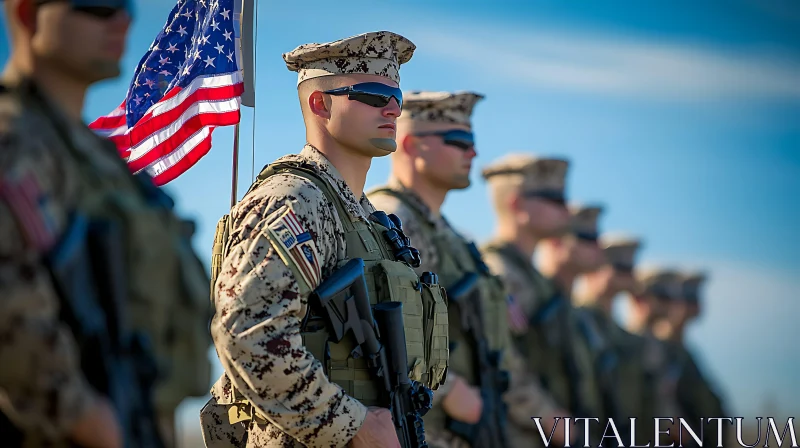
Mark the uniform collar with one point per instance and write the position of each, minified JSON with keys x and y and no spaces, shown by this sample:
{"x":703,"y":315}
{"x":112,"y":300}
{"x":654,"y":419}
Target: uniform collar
{"x":415,"y":201}
{"x":357,"y":209}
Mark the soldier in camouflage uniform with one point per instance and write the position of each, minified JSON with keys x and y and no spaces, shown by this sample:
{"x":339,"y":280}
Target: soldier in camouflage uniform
{"x":696,"y":396}
{"x":616,"y":355}
{"x":435,"y":152}
{"x":94,"y":266}
{"x":528,"y":196}
{"x":286,"y":382}
{"x":657,"y":286}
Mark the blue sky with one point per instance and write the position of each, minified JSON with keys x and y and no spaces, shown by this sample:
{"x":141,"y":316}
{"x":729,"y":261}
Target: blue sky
{"x":683,"y":119}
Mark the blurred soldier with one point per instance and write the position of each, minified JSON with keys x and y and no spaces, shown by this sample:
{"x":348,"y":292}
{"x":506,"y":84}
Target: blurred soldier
{"x":289,"y":380}
{"x":435,"y":153}
{"x":696,"y":396}
{"x":528,"y":196}
{"x":616,"y":358}
{"x":660,"y":372}
{"x":565,"y":330}
{"x":94,"y":267}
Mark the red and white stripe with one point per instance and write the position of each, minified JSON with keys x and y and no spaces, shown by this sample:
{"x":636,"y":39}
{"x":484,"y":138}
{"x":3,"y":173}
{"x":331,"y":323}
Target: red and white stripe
{"x":517,"y":319}
{"x":176,"y":131}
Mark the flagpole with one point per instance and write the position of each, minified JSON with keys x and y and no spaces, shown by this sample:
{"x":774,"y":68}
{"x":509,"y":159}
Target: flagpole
{"x":234,"y":176}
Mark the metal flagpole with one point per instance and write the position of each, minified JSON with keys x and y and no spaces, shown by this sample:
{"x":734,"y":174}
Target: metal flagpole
{"x":243,"y":12}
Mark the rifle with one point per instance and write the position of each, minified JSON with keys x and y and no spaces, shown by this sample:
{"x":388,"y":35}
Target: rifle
{"x":490,"y":431}
{"x":343,"y":303}
{"x":89,"y":274}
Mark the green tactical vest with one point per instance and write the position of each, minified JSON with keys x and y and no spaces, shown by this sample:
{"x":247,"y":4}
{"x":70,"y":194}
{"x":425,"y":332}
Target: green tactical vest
{"x":455,"y":260}
{"x":167,"y":283}
{"x":424,"y":306}
{"x":550,"y":346}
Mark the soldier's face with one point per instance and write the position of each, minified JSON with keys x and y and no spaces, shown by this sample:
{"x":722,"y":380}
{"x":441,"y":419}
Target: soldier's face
{"x":545,"y":218}
{"x":77,"y":45}
{"x":445,"y":163}
{"x":587,"y":256}
{"x":678,"y":312}
{"x":621,"y":280}
{"x":368,"y":130}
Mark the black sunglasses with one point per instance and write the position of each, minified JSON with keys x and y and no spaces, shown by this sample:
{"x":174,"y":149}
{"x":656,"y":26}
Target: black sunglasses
{"x":587,"y":237}
{"x":102,"y":9}
{"x":463,"y":140}
{"x":372,"y":94}
{"x":622,"y":268}
{"x":554,"y":197}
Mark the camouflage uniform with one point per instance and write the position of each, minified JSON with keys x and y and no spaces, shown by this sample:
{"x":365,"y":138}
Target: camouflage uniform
{"x":51,"y":171}
{"x":553,"y":347}
{"x":290,"y":232}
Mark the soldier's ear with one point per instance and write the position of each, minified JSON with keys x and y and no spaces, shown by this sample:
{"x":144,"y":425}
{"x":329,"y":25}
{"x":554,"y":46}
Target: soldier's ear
{"x":24,"y":12}
{"x":319,"y":105}
{"x":409,"y":145}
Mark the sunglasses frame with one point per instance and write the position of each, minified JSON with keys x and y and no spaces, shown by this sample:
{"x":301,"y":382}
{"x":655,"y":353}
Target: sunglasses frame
{"x":458,"y":143}
{"x":353,"y":93}
{"x":96,"y":8}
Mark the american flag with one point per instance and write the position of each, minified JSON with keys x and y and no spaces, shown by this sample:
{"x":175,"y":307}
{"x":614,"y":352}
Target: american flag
{"x":185,"y":85}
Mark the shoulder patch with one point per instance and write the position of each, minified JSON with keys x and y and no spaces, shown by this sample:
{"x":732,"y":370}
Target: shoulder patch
{"x":30,"y":208}
{"x":295,"y":246}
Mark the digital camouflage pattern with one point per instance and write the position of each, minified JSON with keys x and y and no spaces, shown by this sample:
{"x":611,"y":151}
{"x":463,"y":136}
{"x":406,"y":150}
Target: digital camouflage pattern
{"x":51,"y":168}
{"x":439,"y":107}
{"x":376,"y":53}
{"x":260,"y":304}
{"x":44,"y":391}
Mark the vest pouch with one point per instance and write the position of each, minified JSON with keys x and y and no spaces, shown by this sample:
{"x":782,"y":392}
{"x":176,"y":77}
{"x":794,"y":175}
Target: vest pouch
{"x":493,"y":302}
{"x":437,"y":337}
{"x":396,"y":282}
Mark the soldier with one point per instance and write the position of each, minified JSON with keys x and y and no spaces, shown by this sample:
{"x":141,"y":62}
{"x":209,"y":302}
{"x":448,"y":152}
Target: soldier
{"x":528,"y":196}
{"x":660,"y":372}
{"x":616,"y":355}
{"x":94,"y":266}
{"x":435,"y":151}
{"x":696,"y":396}
{"x":288,"y":380}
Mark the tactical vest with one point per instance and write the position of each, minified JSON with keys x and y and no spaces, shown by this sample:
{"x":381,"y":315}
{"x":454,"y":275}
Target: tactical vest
{"x":455,"y":260}
{"x":424,"y":306}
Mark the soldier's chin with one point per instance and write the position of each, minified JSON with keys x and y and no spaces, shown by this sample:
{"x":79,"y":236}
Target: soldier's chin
{"x":385,"y":146}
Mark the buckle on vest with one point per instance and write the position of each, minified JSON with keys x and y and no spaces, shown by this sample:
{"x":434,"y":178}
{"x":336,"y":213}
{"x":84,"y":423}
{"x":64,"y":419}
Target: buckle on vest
{"x":240,"y":412}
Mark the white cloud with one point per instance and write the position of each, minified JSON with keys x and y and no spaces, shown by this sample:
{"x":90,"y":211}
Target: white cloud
{"x":602,"y":63}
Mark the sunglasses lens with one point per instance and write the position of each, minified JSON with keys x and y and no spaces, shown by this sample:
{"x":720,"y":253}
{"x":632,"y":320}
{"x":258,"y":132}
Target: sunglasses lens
{"x":370,"y":99}
{"x":381,"y":94}
{"x":102,"y":8}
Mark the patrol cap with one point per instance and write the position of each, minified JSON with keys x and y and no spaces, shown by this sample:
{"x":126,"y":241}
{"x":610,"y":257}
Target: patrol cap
{"x":620,"y":250}
{"x":376,"y":53}
{"x":536,"y":176}
{"x":664,"y":283}
{"x":583,"y":221}
{"x":690,"y":286}
{"x":439,"y":107}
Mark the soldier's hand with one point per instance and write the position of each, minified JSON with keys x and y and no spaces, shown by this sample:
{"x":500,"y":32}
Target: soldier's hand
{"x":463,"y":402}
{"x":377,"y":430}
{"x":98,"y":427}
{"x":558,"y":434}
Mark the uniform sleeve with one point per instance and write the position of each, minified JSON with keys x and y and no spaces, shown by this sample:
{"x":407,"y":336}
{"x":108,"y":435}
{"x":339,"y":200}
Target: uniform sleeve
{"x":261,"y":303}
{"x":412,"y":228}
{"x":42,"y":388}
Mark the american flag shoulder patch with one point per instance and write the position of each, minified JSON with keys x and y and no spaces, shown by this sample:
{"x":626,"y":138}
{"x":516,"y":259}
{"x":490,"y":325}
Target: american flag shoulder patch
{"x":30,"y":207}
{"x":296,"y":246}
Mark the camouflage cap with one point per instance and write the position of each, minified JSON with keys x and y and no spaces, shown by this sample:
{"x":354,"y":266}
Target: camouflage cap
{"x":440,"y":107}
{"x":663,"y":283}
{"x":690,"y":286}
{"x":620,"y":251}
{"x":583,"y":221}
{"x":533,"y":174}
{"x":376,"y":53}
